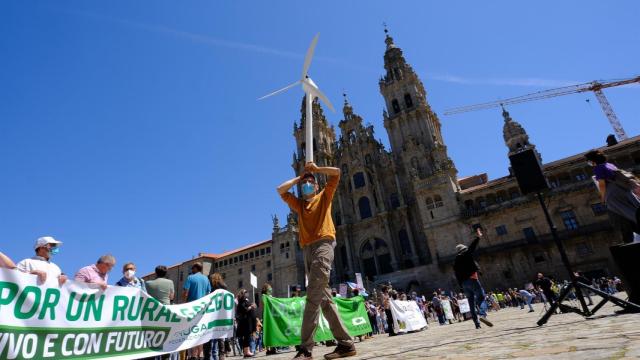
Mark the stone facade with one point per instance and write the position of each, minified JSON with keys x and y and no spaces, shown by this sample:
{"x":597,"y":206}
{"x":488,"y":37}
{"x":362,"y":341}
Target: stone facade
{"x":399,"y":213}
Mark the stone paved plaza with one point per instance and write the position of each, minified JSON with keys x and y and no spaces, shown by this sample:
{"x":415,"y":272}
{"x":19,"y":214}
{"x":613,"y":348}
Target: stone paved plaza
{"x":515,"y":335}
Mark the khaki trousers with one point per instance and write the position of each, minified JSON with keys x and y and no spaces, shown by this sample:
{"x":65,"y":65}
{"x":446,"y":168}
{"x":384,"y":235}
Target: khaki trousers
{"x":318,"y":257}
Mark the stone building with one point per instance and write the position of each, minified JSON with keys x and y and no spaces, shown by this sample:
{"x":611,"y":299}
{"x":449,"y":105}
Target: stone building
{"x":399,"y":213}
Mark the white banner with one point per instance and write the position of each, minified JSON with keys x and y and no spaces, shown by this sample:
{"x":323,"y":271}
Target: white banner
{"x":446,"y":307}
{"x":407,"y":316}
{"x":464,"y":306}
{"x":80,"y":321}
{"x":359,"y":281}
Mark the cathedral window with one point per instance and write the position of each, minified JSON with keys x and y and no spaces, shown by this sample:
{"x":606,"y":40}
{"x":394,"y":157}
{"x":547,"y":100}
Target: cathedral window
{"x":404,"y":242}
{"x":395,"y":105}
{"x":397,"y":73}
{"x":437,"y":201}
{"x":569,"y":219}
{"x":358,"y":180}
{"x":501,"y":230}
{"x":364,"y":207}
{"x":407,"y":100}
{"x":367,"y":159}
{"x":395,"y":201}
{"x":430,"y":204}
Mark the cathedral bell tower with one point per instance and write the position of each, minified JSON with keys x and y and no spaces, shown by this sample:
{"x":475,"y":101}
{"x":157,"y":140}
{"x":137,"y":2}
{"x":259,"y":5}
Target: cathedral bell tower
{"x":515,"y":137}
{"x":414,"y":129}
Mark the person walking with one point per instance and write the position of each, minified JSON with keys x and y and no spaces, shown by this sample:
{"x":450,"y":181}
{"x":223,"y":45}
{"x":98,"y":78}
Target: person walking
{"x":467,"y":273}
{"x":526,"y":297}
{"x":545,"y":284}
{"x":317,"y":240}
{"x":620,"y":191}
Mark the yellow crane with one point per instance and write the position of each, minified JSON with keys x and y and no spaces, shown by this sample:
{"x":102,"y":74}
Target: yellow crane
{"x":595,"y":86}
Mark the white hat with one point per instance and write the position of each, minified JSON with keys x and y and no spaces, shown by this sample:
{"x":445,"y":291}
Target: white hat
{"x":460,"y":248}
{"x":44,"y":241}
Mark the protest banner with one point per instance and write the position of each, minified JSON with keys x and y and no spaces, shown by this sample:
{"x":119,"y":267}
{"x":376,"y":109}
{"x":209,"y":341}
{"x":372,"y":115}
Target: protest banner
{"x":406,"y":316}
{"x":80,"y":321}
{"x":448,"y":311}
{"x":464,"y":306}
{"x":282,"y":319}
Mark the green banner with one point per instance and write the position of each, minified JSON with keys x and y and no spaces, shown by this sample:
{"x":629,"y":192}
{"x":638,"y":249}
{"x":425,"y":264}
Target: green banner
{"x":282,"y":319}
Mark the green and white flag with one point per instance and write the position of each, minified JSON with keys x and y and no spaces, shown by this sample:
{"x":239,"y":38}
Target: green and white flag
{"x":282,"y":319}
{"x":79,"y":321}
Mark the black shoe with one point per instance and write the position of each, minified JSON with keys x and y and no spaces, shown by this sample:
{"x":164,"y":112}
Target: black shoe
{"x":341,"y":351}
{"x":486,"y":322}
{"x":532,"y":311}
{"x":478,"y":326}
{"x":272,"y":351}
{"x":303,"y":355}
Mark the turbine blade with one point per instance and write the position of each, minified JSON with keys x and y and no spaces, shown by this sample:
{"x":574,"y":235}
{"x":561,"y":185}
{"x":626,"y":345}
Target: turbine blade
{"x":281,"y":90}
{"x":309,"y":56}
{"x":324,"y":99}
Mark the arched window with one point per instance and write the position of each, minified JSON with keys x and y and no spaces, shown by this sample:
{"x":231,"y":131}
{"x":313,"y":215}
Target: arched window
{"x":395,"y":105}
{"x":338,"y":218}
{"x":481,"y":203}
{"x":395,"y":201}
{"x":403,"y":236}
{"x":352,"y":137}
{"x":343,"y":256}
{"x":364,"y":207}
{"x":383,"y":255}
{"x":358,"y":180}
{"x":368,"y":262}
{"x":407,"y":100}
{"x":397,"y":73}
{"x":437,"y":201}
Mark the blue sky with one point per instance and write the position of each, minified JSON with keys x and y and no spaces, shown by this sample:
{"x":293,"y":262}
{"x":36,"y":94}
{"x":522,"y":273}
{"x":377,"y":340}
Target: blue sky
{"x":132,"y":128}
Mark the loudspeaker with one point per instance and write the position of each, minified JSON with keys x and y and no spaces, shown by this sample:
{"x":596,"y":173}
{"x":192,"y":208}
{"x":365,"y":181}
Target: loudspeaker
{"x":528,"y":171}
{"x":626,"y":257}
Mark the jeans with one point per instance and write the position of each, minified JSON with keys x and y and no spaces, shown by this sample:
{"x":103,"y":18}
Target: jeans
{"x":475,"y":294}
{"x":528,"y":299}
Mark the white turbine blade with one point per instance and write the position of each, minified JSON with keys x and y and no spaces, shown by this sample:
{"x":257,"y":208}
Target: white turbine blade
{"x":309,"y":56}
{"x":324,"y":99}
{"x":281,"y":90}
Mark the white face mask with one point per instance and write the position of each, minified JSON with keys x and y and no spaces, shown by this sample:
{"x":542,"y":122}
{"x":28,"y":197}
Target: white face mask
{"x":129,"y":274}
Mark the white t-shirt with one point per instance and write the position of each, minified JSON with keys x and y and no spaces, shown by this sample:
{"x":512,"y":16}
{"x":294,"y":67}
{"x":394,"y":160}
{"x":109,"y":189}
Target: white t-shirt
{"x":39,"y":263}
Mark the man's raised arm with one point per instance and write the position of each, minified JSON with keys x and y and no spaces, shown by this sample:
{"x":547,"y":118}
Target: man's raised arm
{"x":285,"y":186}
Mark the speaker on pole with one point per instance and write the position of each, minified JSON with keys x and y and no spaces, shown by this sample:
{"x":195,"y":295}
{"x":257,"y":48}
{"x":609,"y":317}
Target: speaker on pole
{"x":528,"y":171}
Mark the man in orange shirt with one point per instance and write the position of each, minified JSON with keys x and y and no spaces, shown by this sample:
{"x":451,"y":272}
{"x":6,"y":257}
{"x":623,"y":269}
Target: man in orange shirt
{"x":317,"y":240}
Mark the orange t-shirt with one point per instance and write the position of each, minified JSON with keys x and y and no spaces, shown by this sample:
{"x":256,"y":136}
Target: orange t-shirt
{"x":314,"y":216}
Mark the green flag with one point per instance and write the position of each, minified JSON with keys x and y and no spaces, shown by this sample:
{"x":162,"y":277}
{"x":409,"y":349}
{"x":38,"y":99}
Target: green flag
{"x":282,"y":319}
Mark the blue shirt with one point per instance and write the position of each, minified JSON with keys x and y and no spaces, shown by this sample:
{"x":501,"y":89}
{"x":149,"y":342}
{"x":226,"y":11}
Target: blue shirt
{"x":137,"y":283}
{"x":197,"y":286}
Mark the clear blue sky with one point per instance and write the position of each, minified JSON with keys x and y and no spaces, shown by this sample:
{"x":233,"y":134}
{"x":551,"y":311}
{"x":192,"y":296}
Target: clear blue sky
{"x":132,"y":127}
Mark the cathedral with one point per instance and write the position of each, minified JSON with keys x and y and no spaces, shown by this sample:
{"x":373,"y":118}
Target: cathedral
{"x":400,"y":212}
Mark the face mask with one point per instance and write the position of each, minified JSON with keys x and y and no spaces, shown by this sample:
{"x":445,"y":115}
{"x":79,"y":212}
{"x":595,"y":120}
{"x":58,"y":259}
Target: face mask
{"x":308,"y":189}
{"x":129,"y":274}
{"x":54,"y":250}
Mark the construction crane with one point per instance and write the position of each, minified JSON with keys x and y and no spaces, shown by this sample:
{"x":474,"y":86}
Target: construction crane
{"x":595,"y":86}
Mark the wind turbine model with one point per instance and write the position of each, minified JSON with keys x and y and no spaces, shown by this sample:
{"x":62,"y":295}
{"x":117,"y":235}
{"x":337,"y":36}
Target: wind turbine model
{"x":311,"y":90}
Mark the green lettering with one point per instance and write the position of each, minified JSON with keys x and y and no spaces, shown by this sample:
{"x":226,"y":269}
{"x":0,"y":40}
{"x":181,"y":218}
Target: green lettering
{"x":150,"y":305}
{"x":229,"y":301}
{"x":50,"y":300}
{"x":76,"y":316}
{"x":17,"y":310}
{"x":94,"y":308}
{"x":133,"y":316}
{"x":164,"y":311}
{"x":10,"y":295}
{"x":120,"y":304}
{"x":175,"y":318}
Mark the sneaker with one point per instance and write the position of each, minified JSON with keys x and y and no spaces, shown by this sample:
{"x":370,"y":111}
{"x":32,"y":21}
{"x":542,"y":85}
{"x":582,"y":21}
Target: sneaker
{"x":532,"y":311}
{"x":303,"y":355}
{"x":486,"y":322}
{"x":341,"y":351}
{"x":478,"y":326}
{"x":272,"y":351}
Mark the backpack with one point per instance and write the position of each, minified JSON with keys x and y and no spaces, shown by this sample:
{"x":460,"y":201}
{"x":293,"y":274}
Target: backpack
{"x":626,"y":180}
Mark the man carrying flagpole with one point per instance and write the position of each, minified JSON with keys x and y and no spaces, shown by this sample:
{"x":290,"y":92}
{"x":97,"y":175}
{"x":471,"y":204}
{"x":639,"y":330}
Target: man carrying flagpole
{"x":317,"y":240}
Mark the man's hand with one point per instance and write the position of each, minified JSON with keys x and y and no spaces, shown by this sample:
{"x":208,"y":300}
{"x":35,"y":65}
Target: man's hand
{"x":42,"y":276}
{"x":311,"y":167}
{"x":62,"y":279}
{"x":103,"y":286}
